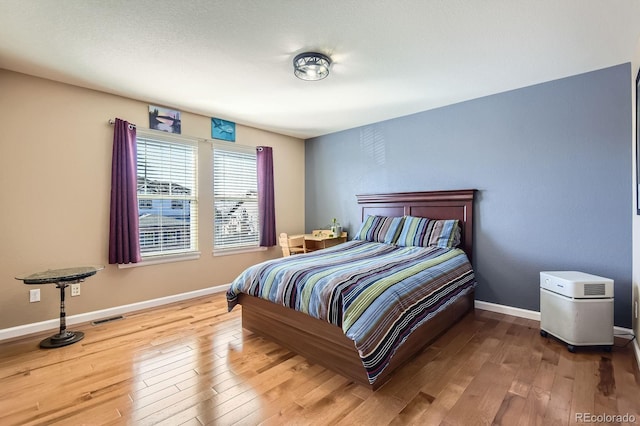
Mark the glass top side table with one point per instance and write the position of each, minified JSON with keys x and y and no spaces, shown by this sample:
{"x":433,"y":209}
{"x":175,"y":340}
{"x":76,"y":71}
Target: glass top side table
{"x":61,"y":278}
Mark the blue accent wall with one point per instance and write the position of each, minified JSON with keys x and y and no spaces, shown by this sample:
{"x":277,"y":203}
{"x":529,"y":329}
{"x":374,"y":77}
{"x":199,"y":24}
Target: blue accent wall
{"x":551,"y":162}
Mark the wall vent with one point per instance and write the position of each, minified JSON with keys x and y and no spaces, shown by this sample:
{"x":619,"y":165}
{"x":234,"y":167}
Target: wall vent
{"x":102,"y":321}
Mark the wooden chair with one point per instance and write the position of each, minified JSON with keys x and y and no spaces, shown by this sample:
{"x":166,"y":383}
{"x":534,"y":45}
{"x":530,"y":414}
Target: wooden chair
{"x":292,"y":245}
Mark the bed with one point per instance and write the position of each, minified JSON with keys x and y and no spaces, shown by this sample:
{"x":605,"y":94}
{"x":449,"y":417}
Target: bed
{"x":340,"y":334}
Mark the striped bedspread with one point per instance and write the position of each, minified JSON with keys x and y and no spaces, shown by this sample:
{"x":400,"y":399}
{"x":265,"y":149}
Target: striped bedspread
{"x":377,"y":293}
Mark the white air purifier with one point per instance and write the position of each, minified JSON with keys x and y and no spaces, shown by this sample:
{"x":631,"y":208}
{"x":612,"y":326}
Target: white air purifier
{"x":577,"y":308}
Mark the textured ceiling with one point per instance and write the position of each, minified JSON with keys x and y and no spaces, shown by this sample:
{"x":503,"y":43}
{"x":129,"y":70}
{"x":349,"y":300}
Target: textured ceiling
{"x":233,"y":59}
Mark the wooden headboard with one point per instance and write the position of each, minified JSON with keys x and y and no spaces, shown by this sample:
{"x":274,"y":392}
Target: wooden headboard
{"x":457,"y":204}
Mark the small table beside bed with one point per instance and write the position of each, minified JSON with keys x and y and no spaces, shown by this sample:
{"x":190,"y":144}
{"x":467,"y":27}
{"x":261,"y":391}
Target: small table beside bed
{"x":365,"y":307}
{"x":321,"y":239}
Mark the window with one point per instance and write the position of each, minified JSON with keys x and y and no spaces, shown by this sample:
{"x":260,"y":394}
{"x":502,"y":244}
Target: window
{"x":167,"y":194}
{"x":235,"y":197}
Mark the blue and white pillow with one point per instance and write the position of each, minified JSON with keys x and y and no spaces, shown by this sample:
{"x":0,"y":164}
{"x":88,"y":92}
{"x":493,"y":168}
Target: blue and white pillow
{"x":379,"y":229}
{"x":423,"y":232}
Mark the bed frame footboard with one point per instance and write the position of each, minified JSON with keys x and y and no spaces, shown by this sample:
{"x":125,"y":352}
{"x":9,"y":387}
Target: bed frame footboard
{"x":325,"y":344}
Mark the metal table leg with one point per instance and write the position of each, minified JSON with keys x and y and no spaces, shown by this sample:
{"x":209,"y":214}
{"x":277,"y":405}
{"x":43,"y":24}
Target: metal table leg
{"x":64,"y":337}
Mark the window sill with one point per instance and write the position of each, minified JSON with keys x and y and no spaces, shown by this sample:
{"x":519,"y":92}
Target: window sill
{"x":170,"y":258}
{"x":228,"y":252}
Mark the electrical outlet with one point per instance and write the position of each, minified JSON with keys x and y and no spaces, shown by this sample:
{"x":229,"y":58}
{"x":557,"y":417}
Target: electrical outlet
{"x":34,"y":295}
{"x":75,"y":289}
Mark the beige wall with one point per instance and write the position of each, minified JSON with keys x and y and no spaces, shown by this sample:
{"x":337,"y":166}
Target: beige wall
{"x":55,"y":166}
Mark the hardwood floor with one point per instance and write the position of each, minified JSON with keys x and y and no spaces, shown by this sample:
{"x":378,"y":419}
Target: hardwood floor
{"x":191,"y":363}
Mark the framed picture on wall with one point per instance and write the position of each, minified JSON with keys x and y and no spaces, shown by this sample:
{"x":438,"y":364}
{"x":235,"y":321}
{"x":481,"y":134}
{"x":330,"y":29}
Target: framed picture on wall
{"x":165,"y":119}
{"x":638,"y":143}
{"x":223,"y":129}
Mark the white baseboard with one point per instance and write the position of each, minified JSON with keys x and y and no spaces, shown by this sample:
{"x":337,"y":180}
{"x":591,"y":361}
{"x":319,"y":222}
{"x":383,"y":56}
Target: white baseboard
{"x":23,"y":330}
{"x":624,"y":333}
{"x":508,"y":310}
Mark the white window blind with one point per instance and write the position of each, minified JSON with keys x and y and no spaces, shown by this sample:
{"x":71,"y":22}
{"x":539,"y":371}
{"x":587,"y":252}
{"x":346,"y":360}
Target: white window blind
{"x":167,"y":195}
{"x":235,"y":197}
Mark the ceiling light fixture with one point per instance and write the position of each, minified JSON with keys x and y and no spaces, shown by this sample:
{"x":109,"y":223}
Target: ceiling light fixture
{"x":311,"y":66}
